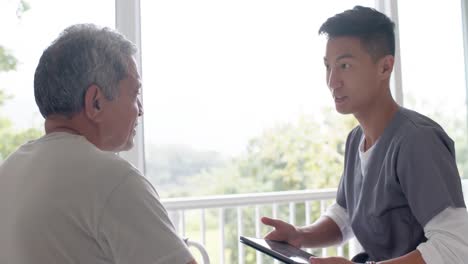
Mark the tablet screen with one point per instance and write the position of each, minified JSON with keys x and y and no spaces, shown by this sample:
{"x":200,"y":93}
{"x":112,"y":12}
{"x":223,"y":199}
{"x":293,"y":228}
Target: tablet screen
{"x":279,"y":250}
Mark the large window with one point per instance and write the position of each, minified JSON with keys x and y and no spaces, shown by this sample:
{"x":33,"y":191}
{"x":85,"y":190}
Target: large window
{"x":28,"y":27}
{"x":234,"y":92}
{"x":433,"y":69}
{"x":235,"y":96}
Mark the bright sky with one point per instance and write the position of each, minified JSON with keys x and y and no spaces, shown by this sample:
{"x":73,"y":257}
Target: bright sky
{"x":217,"y":73}
{"x":29,"y":36}
{"x":221,"y":72}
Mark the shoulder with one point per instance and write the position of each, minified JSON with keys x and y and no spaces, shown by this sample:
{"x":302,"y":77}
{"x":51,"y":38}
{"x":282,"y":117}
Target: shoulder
{"x":98,"y":172}
{"x":417,"y":129}
{"x":133,"y":220}
{"x":414,"y":120}
{"x":113,"y":175}
{"x":98,"y":164}
{"x":112,"y":163}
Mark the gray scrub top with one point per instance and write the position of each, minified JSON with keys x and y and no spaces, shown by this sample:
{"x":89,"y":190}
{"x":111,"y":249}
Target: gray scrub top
{"x":412,"y":176}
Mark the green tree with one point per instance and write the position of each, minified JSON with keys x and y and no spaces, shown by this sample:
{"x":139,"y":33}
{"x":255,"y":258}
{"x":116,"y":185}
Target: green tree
{"x":10,"y":137}
{"x":306,"y":154}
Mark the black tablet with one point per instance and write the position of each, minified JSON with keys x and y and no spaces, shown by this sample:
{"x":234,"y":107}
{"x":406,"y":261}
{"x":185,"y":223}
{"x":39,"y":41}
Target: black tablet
{"x":278,"y":250}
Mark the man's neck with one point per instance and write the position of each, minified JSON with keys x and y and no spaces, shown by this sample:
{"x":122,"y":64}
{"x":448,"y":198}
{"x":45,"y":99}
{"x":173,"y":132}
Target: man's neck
{"x":74,"y":125}
{"x":58,"y":123}
{"x":374,"y":121}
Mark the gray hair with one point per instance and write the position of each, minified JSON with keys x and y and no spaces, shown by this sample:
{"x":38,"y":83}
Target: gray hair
{"x":82,"y":55}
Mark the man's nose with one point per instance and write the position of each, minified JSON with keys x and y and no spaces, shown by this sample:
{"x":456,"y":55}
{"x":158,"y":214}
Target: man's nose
{"x":334,"y":80}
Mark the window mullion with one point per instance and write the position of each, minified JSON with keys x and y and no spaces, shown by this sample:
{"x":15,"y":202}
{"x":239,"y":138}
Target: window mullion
{"x":464,"y":9}
{"x":390,"y":8}
{"x":128,"y":22}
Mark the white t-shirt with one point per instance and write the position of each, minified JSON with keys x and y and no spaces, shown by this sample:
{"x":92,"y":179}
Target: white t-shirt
{"x":62,"y":200}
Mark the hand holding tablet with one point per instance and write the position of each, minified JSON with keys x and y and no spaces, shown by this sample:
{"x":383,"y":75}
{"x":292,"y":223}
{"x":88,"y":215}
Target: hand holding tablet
{"x":278,"y":250}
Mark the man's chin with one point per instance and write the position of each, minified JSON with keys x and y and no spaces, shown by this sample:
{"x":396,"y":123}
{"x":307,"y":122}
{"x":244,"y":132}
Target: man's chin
{"x":128,"y":146}
{"x":343,"y":111}
{"x":125,"y":147}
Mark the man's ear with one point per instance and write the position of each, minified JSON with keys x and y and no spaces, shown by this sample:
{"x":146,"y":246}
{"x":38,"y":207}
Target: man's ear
{"x":93,"y":102}
{"x":386,"y":66}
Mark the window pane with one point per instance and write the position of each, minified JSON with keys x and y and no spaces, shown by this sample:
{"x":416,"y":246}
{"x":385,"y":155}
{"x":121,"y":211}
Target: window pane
{"x":235,"y":96}
{"x":28,"y":33}
{"x":433,"y":67}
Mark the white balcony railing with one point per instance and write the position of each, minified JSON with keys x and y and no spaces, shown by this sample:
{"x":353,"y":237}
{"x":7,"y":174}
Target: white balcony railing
{"x":245,"y":207}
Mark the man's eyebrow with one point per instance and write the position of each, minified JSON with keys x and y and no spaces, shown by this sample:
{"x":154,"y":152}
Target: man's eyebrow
{"x":343,"y":56}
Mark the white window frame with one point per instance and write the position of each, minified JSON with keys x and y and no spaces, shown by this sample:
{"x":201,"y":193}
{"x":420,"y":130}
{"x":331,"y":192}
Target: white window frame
{"x":128,"y":22}
{"x":390,"y":8}
{"x":464,"y":10}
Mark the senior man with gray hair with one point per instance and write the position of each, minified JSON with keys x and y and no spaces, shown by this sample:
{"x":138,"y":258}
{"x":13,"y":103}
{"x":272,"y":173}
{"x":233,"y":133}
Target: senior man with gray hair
{"x":67,"y":197}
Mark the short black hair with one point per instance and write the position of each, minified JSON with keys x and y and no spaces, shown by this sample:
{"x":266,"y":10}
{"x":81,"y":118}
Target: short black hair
{"x":374,"y":29}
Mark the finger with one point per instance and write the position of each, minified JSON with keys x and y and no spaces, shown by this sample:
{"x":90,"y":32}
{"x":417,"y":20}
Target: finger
{"x":331,"y":260}
{"x":274,"y":234}
{"x":271,"y":222}
{"x":267,"y":220}
{"x":314,"y":260}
